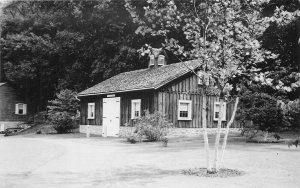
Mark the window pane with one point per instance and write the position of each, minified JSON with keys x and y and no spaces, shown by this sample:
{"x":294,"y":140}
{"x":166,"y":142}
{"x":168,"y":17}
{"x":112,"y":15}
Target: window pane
{"x":136,"y":113}
{"x":184,"y":106}
{"x":183,"y":113}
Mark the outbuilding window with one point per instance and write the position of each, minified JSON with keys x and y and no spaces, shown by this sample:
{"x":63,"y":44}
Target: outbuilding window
{"x":217,"y":111}
{"x":91,"y":110}
{"x":21,"y":109}
{"x":184,"y":110}
{"x":135,"y":108}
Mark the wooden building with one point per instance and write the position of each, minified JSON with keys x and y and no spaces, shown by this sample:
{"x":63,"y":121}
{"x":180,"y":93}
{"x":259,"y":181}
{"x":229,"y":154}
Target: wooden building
{"x":171,"y":89}
{"x":13,"y":109}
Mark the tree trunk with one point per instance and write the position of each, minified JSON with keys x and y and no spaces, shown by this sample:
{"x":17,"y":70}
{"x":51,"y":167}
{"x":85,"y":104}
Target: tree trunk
{"x":217,"y":142}
{"x":227,"y":129}
{"x":205,"y":137}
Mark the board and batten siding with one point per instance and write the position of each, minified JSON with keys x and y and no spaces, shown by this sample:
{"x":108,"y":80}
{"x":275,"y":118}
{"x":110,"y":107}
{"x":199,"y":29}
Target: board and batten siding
{"x":8,"y":99}
{"x":147,"y":103}
{"x":187,"y":88}
{"x":165,"y":100}
{"x":98,"y":110}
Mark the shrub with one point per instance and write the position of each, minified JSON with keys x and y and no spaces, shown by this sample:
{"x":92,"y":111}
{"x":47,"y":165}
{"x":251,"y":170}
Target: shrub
{"x":264,"y":113}
{"x":62,"y":113}
{"x":40,"y":118}
{"x":293,"y":111}
{"x":133,"y":139}
{"x":153,"y":127}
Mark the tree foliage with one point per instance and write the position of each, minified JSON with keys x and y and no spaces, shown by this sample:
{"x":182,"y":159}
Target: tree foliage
{"x":264,"y":112}
{"x":63,"y":111}
{"x":52,"y":45}
{"x":224,"y":35}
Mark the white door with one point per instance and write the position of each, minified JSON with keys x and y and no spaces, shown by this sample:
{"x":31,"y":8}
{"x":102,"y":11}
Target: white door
{"x":111,"y":117}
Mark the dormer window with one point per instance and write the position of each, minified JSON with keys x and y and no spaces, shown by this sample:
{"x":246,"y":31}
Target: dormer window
{"x":161,"y":60}
{"x":151,"y":63}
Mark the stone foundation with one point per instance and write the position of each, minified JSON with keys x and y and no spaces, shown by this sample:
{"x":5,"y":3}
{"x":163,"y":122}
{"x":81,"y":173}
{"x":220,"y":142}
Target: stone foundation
{"x":173,"y":132}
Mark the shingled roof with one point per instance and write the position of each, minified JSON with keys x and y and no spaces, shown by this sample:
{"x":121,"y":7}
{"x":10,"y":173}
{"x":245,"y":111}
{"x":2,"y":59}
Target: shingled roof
{"x":150,"y":78}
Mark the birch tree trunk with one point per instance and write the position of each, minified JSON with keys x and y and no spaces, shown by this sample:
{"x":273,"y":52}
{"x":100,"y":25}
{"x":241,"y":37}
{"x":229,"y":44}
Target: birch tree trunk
{"x":227,"y":129}
{"x":205,"y":137}
{"x":217,"y":142}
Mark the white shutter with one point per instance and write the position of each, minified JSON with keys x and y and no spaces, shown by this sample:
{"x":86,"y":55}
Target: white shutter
{"x":24,"y":109}
{"x":16,"y":108}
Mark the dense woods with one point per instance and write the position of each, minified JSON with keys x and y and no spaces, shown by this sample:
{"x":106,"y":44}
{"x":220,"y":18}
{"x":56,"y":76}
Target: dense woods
{"x":48,"y":46}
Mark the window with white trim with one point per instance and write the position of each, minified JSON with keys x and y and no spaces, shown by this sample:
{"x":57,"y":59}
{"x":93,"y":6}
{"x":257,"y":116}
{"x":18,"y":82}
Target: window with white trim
{"x":135,"y":108}
{"x":21,"y":109}
{"x":217,"y":111}
{"x":184,"y":110}
{"x":91,"y":110}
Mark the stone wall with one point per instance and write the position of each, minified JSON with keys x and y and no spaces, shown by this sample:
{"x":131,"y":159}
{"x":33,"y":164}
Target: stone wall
{"x":173,"y":132}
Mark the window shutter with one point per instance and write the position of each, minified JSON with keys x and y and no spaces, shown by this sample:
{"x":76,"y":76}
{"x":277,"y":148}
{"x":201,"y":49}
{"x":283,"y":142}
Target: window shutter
{"x":24,"y":109}
{"x":16,"y":108}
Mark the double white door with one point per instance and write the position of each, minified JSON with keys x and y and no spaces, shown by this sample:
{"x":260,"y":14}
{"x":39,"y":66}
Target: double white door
{"x":111,"y":117}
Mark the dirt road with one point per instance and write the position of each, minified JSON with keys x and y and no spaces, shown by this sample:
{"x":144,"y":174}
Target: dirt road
{"x":75,"y":161}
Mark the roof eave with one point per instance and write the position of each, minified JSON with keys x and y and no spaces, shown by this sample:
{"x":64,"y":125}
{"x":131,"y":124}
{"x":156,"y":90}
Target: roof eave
{"x":112,"y":92}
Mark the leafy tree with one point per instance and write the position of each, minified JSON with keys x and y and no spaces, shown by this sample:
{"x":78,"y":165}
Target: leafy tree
{"x":265,"y":113}
{"x":223,"y":35}
{"x":63,"y":111}
{"x":52,"y":45}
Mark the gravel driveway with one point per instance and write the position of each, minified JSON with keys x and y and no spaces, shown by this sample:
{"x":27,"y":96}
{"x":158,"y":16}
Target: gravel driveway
{"x":74,"y":161}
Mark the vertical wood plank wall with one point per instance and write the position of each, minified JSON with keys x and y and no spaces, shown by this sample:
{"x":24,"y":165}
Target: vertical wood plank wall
{"x":187,"y":88}
{"x":164,"y":100}
{"x":98,"y":110}
{"x":147,"y":100}
{"x":147,"y":103}
{"x":168,"y":105}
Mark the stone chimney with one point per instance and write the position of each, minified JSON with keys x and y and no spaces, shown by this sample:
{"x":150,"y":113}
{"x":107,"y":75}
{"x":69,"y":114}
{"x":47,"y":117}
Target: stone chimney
{"x":157,"y":59}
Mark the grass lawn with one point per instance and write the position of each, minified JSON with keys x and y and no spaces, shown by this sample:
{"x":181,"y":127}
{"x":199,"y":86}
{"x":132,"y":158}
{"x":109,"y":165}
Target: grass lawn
{"x":71,"y":160}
